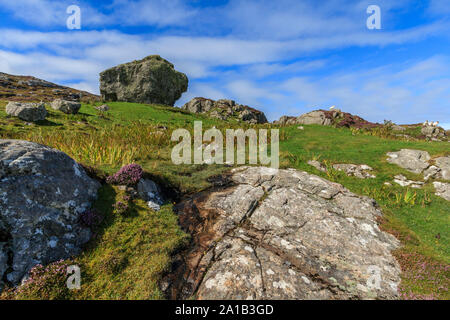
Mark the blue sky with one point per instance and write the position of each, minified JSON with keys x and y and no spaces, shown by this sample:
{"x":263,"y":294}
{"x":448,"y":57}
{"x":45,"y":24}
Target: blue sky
{"x":284,"y":57}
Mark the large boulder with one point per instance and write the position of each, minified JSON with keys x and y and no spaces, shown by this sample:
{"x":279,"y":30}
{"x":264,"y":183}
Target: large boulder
{"x":224,"y":109}
{"x":69,"y":107}
{"x":414,"y":161}
{"x":283,"y":234}
{"x":42,"y":194}
{"x":315,"y":117}
{"x":150,"y":80}
{"x":27,"y":111}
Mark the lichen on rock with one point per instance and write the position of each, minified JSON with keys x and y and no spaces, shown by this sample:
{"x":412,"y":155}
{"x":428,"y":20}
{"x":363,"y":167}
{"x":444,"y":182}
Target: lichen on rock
{"x":42,"y":194}
{"x":284,"y":234}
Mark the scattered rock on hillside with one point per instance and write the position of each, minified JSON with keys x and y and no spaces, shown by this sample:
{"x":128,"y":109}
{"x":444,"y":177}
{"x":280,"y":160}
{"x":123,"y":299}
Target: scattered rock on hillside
{"x":150,"y":192}
{"x":283,"y":234}
{"x":442,"y":190}
{"x":150,"y":80}
{"x":323,"y":117}
{"x":315,"y":117}
{"x":396,"y":127}
{"x":318,"y":165}
{"x":27,"y":111}
{"x":432,"y":132}
{"x":42,"y":194}
{"x":26,"y":88}
{"x":357,"y":170}
{"x":224,"y":109}
{"x":404,"y":182}
{"x":412,"y":160}
{"x":443,"y":163}
{"x":69,"y":107}
{"x":103,"y":108}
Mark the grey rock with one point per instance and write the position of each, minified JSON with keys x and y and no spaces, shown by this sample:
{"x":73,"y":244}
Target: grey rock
{"x":314,"y":117}
{"x":357,"y":170}
{"x":404,"y":182}
{"x":443,"y":163}
{"x":318,"y":165}
{"x":224,"y":109}
{"x":68,"y":107}
{"x":414,"y":161}
{"x":432,"y":132}
{"x":151,"y":193}
{"x":27,"y":111}
{"x":150,"y":80}
{"x":396,"y":127}
{"x":42,"y":194}
{"x":103,"y":108}
{"x":286,"y":234}
{"x":442,"y":189}
{"x":3,"y":261}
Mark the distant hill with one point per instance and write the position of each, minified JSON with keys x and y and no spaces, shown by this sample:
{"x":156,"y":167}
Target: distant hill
{"x":28,"y":88}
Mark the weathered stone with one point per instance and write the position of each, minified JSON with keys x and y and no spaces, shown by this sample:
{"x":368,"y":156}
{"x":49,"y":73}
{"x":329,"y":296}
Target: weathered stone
{"x":314,"y":117}
{"x":42,"y":194}
{"x":150,"y":192}
{"x":396,"y":127}
{"x":150,"y":80}
{"x":103,"y":108}
{"x":357,"y":170}
{"x":69,"y":107}
{"x":224,"y":109}
{"x":27,"y":111}
{"x":433,"y":132}
{"x":412,"y":160}
{"x":284,"y":234}
{"x":442,"y":190}
{"x":404,"y":182}
{"x":443,"y":163}
{"x":319,"y":166}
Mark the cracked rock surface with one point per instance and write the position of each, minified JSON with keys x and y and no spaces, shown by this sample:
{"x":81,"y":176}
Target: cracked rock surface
{"x":283,"y":234}
{"x":42,"y":194}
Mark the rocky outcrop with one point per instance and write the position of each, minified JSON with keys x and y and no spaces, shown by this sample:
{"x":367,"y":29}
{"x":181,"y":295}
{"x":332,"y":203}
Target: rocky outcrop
{"x":31,"y":89}
{"x":440,"y":169}
{"x":283,"y":234}
{"x":224,"y":109}
{"x":68,"y":107}
{"x":27,"y":111}
{"x":150,"y":80}
{"x":433,"y":133}
{"x":326,"y":118}
{"x":418,"y":161}
{"x":412,"y":160}
{"x":316,"y":117}
{"x":42,"y":194}
{"x":442,"y":189}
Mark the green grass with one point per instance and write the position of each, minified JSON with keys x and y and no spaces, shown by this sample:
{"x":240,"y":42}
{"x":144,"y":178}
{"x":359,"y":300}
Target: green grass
{"x":127,"y":258}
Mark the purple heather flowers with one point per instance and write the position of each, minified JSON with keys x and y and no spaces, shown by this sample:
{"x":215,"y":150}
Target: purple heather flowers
{"x":128,"y":175}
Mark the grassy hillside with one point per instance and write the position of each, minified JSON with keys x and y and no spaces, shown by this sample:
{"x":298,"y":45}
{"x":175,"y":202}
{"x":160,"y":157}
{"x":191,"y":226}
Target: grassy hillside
{"x":129,"y":253}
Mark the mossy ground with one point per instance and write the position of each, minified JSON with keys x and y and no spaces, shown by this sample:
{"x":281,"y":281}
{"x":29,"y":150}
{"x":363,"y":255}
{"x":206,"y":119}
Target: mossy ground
{"x":129,"y":254}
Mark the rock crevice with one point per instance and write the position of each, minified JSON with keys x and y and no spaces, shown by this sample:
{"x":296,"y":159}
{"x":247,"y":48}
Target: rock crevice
{"x":282,"y":234}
